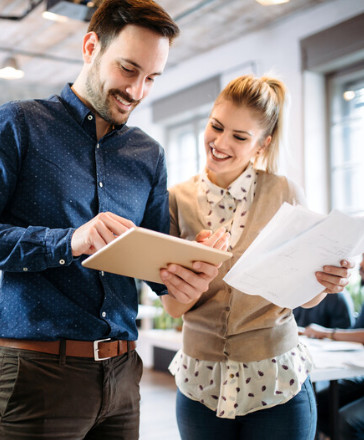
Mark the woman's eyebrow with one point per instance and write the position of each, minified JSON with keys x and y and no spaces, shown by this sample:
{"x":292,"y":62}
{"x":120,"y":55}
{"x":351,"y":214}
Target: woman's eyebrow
{"x":235,"y":131}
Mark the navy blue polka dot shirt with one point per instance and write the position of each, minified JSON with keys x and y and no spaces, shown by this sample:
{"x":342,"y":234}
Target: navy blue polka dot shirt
{"x":55,"y":176}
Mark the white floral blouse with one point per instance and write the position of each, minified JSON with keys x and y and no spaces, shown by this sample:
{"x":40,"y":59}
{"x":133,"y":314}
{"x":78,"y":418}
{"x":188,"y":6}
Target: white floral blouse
{"x":233,"y":388}
{"x":227,"y":207}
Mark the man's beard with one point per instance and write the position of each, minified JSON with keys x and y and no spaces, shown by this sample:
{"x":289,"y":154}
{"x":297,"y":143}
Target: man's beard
{"x":101,"y":103}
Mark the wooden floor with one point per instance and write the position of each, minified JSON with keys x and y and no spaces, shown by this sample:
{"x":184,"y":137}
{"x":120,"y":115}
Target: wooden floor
{"x":157,"y":408}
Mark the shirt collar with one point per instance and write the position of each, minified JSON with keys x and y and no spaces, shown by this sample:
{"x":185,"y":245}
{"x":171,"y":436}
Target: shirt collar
{"x":237,"y":189}
{"x":78,"y":109}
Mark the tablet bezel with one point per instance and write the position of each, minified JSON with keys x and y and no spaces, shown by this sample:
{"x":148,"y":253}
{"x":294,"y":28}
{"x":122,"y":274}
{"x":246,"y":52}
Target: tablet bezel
{"x":141,"y":253}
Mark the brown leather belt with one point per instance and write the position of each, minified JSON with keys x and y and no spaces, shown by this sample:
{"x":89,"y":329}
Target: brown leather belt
{"x":98,"y":350}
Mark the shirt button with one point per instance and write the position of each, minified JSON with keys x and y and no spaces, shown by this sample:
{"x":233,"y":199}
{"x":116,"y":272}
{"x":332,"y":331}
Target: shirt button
{"x":102,"y":273}
{"x":231,"y":376}
{"x":101,"y":184}
{"x":90,"y":117}
{"x":25,"y":269}
{"x":103,"y":314}
{"x":227,"y":309}
{"x":61,"y":261}
{"x":97,"y":145}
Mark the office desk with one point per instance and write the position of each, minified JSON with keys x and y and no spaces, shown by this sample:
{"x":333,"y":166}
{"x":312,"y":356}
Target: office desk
{"x":334,"y":360}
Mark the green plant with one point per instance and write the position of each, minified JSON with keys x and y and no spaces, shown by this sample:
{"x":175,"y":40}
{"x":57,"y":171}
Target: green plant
{"x":165,"y":321}
{"x":356,"y":290}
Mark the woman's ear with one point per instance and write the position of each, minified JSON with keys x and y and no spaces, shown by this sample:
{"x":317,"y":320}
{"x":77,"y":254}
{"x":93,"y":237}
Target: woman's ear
{"x":265,"y":144}
{"x":90,"y":46}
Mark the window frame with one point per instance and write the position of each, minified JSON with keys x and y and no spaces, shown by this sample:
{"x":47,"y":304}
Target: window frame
{"x":334,"y":82}
{"x":197,"y":124}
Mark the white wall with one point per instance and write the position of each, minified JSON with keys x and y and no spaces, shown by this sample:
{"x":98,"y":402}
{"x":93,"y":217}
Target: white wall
{"x":12,"y":90}
{"x":275,"y":49}
{"x":315,"y":140}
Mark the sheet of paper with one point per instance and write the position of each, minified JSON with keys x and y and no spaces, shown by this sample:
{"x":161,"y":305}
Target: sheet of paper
{"x":280,"y":264}
{"x":356,"y":361}
{"x":288,"y":223}
{"x":334,"y":354}
{"x":328,"y":345}
{"x":335,"y":359}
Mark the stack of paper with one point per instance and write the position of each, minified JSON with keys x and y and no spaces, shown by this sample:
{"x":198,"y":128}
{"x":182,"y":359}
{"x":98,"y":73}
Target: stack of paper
{"x":280,"y":264}
{"x":334,"y":354}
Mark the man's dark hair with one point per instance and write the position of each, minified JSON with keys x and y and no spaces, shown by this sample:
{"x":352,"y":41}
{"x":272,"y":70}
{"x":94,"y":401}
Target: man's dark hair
{"x":110,"y":18}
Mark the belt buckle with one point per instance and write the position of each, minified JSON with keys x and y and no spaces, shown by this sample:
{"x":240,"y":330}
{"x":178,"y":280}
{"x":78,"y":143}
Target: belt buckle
{"x":96,"y":349}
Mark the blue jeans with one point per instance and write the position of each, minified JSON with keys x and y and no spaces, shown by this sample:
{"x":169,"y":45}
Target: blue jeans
{"x":294,"y":420}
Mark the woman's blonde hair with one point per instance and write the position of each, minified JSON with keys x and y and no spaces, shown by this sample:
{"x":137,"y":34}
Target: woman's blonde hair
{"x":265,"y":96}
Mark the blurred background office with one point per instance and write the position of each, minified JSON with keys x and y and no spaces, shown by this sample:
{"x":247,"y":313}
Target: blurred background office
{"x":315,"y":46}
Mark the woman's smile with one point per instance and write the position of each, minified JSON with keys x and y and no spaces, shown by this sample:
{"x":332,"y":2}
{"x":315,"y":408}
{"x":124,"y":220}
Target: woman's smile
{"x":219,"y":155}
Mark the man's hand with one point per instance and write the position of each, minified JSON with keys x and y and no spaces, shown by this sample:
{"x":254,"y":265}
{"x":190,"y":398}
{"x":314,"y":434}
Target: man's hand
{"x":334,"y":278}
{"x":187,"y":286}
{"x":98,"y":232}
{"x":317,"y":331}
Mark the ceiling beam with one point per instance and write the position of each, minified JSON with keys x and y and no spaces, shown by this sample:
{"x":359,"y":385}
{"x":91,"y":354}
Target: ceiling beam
{"x":40,"y":55}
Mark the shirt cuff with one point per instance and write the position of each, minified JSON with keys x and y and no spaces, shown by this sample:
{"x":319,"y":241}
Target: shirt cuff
{"x":58,"y":245}
{"x":159,"y":289}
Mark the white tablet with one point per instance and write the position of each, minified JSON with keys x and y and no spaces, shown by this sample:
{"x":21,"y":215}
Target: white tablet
{"x":141,"y":253}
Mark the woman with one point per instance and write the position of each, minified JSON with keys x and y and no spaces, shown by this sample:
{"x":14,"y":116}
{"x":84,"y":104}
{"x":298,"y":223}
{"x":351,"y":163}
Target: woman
{"x":242,"y":374}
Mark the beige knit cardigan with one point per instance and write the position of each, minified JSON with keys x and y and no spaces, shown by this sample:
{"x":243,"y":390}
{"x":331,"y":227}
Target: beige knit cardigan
{"x":226,"y":323}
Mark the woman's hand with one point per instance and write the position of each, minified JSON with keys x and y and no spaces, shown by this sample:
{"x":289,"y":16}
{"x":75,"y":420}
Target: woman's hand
{"x":218,"y":239}
{"x":334,"y":278}
{"x":186,"y":286}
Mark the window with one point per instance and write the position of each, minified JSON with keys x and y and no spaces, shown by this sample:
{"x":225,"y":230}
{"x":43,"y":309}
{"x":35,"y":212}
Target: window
{"x":185,"y":149}
{"x":333,"y":147}
{"x":346,"y":140}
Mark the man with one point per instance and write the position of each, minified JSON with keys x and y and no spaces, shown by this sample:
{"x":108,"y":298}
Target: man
{"x":74,"y":176}
{"x":350,"y":391}
{"x":332,"y":311}
{"x":361,"y":270}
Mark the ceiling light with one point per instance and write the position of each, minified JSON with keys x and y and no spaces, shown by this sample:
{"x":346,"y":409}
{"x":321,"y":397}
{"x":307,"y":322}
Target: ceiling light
{"x":348,"y":95}
{"x":18,"y":10}
{"x":76,"y":9}
{"x":54,"y":17}
{"x":10,"y":69}
{"x":271,"y":2}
